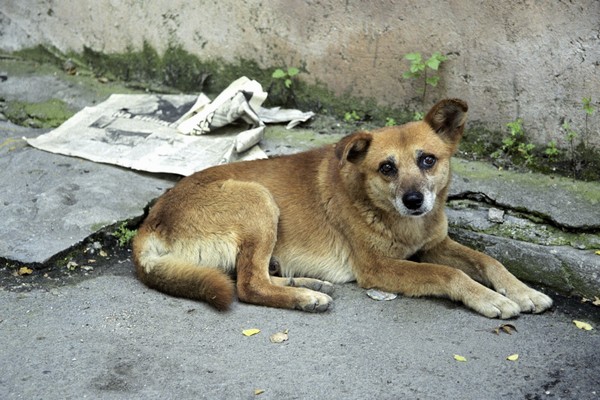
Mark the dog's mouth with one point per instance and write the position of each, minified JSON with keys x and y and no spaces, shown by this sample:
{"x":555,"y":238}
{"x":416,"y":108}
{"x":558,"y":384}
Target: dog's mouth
{"x":416,"y":213}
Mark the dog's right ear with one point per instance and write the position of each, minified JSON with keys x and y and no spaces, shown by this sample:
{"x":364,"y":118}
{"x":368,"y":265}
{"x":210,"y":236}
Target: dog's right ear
{"x":353,"y":148}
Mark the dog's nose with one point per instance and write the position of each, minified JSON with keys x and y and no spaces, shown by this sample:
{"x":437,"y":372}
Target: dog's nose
{"x":413,"y":200}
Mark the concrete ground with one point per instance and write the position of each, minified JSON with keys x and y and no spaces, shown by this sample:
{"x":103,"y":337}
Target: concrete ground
{"x":81,"y":326}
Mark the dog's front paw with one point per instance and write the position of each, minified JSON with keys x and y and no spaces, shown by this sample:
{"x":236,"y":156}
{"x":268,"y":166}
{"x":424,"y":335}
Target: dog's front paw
{"x":493,"y":305}
{"x":313,"y":284}
{"x":313,"y":301}
{"x":528,"y":299}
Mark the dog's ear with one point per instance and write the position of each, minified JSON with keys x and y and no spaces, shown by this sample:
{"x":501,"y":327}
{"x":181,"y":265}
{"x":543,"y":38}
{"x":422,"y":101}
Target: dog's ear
{"x":447,"y":118}
{"x":353,"y":148}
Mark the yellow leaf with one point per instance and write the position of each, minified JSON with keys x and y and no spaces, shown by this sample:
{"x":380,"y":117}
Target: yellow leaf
{"x":25,"y":271}
{"x":583,"y":325}
{"x":258,"y":391}
{"x":459,"y":358}
{"x":597,"y":252}
{"x":250,"y":332}
{"x":513,"y":357}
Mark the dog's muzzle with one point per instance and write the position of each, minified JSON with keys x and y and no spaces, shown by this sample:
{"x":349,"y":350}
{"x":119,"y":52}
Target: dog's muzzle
{"x":415,"y":203}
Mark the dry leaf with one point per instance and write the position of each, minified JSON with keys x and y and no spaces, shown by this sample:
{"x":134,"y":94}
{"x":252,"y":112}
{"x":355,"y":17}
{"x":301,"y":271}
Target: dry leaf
{"x":258,"y":391}
{"x":103,"y":253}
{"x":279,"y":337}
{"x":513,"y":357}
{"x":25,"y":271}
{"x":597,"y":252}
{"x":72,"y":265}
{"x":459,"y":358}
{"x":596,"y":301}
{"x":506,"y":328}
{"x":250,"y":332}
{"x":583,"y":325}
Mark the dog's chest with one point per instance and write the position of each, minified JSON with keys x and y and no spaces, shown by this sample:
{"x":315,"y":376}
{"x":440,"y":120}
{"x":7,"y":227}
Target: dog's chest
{"x":400,"y":239}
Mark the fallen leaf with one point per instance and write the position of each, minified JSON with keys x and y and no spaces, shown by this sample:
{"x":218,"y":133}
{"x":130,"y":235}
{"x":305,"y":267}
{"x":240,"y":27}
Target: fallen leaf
{"x":258,"y":391}
{"x":25,"y":271}
{"x":596,"y":301}
{"x":513,"y":357}
{"x":250,"y":332}
{"x":459,"y":358}
{"x":103,"y":253}
{"x":279,"y":337}
{"x":506,"y":328}
{"x":72,"y":265}
{"x":583,"y":325}
{"x":597,"y":252}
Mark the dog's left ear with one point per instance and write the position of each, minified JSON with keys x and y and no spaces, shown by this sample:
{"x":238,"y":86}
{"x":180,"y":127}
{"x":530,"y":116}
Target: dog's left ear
{"x":447,"y":118}
{"x":353,"y":148}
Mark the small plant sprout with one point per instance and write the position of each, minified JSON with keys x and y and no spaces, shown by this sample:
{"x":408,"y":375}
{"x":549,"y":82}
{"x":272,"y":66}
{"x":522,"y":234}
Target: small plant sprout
{"x":589,"y":111}
{"x":572,"y":136}
{"x":552,"y":151}
{"x":286,"y":75}
{"x":587,"y":105}
{"x":425,"y":70}
{"x":351,"y":116}
{"x":124,"y":234}
{"x":390,"y":122}
{"x":418,"y":116}
{"x":282,"y":87}
{"x":515,"y":144}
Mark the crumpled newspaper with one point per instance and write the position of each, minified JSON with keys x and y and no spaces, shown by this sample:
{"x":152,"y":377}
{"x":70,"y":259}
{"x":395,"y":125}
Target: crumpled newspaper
{"x":144,"y":131}
{"x":243,"y":100}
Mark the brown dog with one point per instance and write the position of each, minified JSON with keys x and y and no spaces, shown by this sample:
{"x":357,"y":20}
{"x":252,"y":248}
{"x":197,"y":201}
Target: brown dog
{"x":356,"y":210}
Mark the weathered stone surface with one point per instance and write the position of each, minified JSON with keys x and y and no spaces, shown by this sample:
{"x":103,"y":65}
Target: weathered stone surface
{"x":50,"y":203}
{"x":565,"y":202}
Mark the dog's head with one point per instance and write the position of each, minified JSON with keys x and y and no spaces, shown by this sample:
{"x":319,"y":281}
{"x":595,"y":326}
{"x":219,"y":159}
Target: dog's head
{"x":405,"y":168}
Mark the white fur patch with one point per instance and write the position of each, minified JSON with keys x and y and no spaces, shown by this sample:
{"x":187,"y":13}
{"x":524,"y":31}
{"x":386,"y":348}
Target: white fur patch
{"x":216,"y":252}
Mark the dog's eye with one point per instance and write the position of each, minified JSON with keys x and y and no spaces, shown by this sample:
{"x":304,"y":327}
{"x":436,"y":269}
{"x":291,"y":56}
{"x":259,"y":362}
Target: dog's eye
{"x":387,"y":168}
{"x":427,"y":161}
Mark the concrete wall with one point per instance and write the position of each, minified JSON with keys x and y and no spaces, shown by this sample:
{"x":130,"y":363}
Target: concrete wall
{"x":508,"y":59}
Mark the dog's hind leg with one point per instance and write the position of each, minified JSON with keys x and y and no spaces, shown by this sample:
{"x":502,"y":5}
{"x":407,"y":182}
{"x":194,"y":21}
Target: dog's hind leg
{"x":260,"y":216}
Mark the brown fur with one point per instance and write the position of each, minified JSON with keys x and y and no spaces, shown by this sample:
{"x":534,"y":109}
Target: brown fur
{"x":356,"y":210}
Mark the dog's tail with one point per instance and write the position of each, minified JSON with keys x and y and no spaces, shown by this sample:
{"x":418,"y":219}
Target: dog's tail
{"x":177,"y":277}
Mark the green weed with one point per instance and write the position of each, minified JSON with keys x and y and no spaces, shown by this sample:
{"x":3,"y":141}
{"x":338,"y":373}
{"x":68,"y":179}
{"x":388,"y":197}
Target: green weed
{"x":124,"y":235}
{"x":515,"y":143}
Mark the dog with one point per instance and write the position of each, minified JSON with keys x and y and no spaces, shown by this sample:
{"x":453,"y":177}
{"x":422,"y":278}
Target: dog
{"x":369,"y":209}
